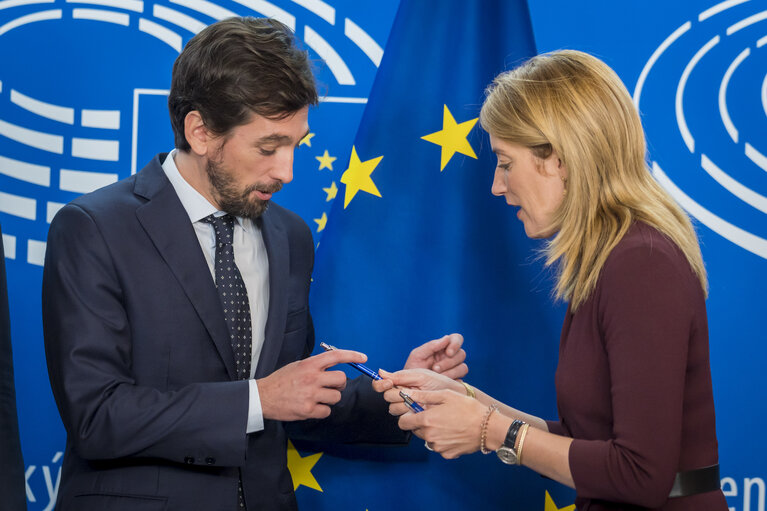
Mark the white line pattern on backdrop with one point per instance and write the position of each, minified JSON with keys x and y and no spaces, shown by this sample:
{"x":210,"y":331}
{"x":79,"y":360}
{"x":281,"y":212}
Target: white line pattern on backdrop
{"x":764,"y":95}
{"x":723,"y":113}
{"x":744,"y":193}
{"x":30,"y":18}
{"x":188,"y":23}
{"x":80,"y":181}
{"x":681,"y":122}
{"x":755,"y":156}
{"x":118,"y":18}
{"x":741,"y":237}
{"x":23,"y":171}
{"x":720,"y":226}
{"x":172,"y":27}
{"x":9,"y":246}
{"x":54,"y":112}
{"x":320,"y":8}
{"x":7,"y":4}
{"x":719,"y":8}
{"x":127,"y":5}
{"x":33,"y":138}
{"x":22,"y":207}
{"x":336,"y":64}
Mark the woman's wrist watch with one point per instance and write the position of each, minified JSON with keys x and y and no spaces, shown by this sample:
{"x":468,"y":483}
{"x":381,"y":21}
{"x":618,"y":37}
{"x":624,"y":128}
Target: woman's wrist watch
{"x":506,"y":452}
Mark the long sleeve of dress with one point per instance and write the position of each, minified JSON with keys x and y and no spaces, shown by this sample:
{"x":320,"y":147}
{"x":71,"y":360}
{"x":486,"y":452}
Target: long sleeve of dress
{"x":623,"y":381}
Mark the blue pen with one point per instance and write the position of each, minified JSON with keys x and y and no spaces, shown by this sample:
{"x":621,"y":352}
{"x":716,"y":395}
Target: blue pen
{"x":410,"y":403}
{"x":373,"y":374}
{"x":359,"y":367}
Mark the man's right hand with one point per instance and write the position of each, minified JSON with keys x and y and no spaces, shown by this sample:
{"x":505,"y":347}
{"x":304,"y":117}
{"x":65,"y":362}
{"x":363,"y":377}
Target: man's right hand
{"x":305,"y":389}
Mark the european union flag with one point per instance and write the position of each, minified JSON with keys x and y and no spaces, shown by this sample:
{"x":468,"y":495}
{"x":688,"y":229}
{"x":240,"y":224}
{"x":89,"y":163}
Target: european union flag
{"x":419,"y":248}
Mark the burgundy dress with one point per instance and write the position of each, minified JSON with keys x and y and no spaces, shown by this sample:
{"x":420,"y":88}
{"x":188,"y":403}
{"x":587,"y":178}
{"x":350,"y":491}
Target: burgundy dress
{"x":634,"y":383}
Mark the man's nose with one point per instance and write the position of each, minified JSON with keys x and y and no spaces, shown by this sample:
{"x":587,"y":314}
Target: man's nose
{"x":283,"y":168}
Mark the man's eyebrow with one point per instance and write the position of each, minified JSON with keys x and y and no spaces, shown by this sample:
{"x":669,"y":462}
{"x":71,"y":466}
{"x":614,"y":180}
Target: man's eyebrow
{"x":275,"y":138}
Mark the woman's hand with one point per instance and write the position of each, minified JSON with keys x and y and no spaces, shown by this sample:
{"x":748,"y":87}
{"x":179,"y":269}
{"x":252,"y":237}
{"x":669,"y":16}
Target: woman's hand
{"x":450,"y":424}
{"x":408,"y":380}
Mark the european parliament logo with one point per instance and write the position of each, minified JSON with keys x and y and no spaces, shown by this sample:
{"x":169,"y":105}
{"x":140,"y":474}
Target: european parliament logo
{"x":703,"y":98}
{"x":83,"y":97}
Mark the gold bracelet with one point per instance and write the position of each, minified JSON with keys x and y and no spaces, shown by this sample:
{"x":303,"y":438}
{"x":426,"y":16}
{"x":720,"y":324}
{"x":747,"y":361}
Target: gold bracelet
{"x":522,"y":435}
{"x":483,"y":430}
{"x":469,"y":390}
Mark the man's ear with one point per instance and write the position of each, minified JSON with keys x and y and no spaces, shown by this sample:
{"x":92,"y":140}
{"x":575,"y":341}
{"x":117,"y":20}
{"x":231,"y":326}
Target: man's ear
{"x":197,"y":134}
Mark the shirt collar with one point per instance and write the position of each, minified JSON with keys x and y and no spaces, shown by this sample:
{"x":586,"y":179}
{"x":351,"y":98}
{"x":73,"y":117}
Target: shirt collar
{"x":196,"y":206}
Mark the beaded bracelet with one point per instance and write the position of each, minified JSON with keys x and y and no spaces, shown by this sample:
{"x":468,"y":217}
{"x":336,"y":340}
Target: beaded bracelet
{"x":483,"y":431}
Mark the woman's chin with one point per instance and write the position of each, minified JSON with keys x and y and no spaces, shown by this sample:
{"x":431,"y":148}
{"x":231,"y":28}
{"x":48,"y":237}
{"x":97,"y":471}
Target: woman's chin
{"x":532,"y":234}
{"x":535,"y":232}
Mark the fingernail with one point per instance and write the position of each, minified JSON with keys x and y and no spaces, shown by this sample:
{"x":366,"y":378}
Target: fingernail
{"x":437,"y":368}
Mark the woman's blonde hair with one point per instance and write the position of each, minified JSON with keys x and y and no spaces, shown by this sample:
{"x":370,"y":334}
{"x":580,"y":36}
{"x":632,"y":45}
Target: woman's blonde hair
{"x":572,"y":103}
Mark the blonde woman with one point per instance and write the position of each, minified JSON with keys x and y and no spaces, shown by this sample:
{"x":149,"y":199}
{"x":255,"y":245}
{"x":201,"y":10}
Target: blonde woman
{"x":633,"y":383}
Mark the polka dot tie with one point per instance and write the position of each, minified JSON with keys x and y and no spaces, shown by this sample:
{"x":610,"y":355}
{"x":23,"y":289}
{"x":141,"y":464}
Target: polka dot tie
{"x":233,"y":295}
{"x":234,"y":299}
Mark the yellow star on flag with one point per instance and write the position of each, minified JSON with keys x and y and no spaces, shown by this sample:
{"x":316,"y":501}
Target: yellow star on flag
{"x":550,"y":506}
{"x":357,"y":177}
{"x":321,"y":222}
{"x":301,"y":468}
{"x":332,"y":191}
{"x":306,"y":140}
{"x":326,"y":161}
{"x":452,"y":137}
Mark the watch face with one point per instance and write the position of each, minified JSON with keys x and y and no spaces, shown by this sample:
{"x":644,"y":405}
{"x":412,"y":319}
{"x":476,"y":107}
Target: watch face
{"x":507,"y":455}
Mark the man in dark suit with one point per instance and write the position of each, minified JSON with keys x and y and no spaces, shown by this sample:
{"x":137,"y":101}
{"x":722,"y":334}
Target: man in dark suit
{"x":12,"y":497}
{"x":175,"y":302}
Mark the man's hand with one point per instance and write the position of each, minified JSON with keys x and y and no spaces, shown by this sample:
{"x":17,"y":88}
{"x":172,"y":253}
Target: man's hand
{"x":304,"y":389}
{"x":444,"y":356}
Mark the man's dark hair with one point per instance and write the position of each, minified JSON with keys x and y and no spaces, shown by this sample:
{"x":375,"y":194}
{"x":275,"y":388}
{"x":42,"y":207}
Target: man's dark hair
{"x":237,"y":67}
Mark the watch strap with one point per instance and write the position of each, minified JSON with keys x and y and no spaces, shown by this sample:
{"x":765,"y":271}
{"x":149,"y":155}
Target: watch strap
{"x":511,"y":434}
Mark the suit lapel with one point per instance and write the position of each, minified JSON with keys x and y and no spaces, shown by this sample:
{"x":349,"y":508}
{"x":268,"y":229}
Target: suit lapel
{"x":167,"y":225}
{"x":276,"y":241}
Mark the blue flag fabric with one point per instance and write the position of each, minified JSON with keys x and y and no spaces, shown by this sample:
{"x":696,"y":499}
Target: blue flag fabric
{"x":416,"y":247}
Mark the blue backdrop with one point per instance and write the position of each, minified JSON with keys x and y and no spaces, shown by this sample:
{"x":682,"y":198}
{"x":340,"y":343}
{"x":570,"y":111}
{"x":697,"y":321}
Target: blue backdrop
{"x":83,"y":87}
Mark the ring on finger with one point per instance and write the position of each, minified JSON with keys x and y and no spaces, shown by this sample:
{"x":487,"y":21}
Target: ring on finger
{"x":426,"y":444}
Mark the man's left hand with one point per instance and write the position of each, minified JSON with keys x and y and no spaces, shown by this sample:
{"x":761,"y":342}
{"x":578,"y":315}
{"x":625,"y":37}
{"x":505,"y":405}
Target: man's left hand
{"x":444,"y":356}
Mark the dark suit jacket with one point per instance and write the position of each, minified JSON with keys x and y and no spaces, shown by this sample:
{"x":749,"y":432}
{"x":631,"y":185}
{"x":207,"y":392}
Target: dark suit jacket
{"x":12,"y":493}
{"x":141,"y":364}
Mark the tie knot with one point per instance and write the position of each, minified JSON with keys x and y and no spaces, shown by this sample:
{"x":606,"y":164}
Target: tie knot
{"x":224,"y":227}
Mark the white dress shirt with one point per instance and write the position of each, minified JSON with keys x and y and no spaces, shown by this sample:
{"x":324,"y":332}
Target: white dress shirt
{"x":250,"y":257}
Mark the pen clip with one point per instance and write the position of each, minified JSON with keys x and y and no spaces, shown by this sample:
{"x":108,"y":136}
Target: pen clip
{"x":410,"y":402}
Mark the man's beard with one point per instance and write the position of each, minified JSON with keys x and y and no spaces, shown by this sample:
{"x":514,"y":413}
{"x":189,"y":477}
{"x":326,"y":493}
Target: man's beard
{"x":233,"y":200}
